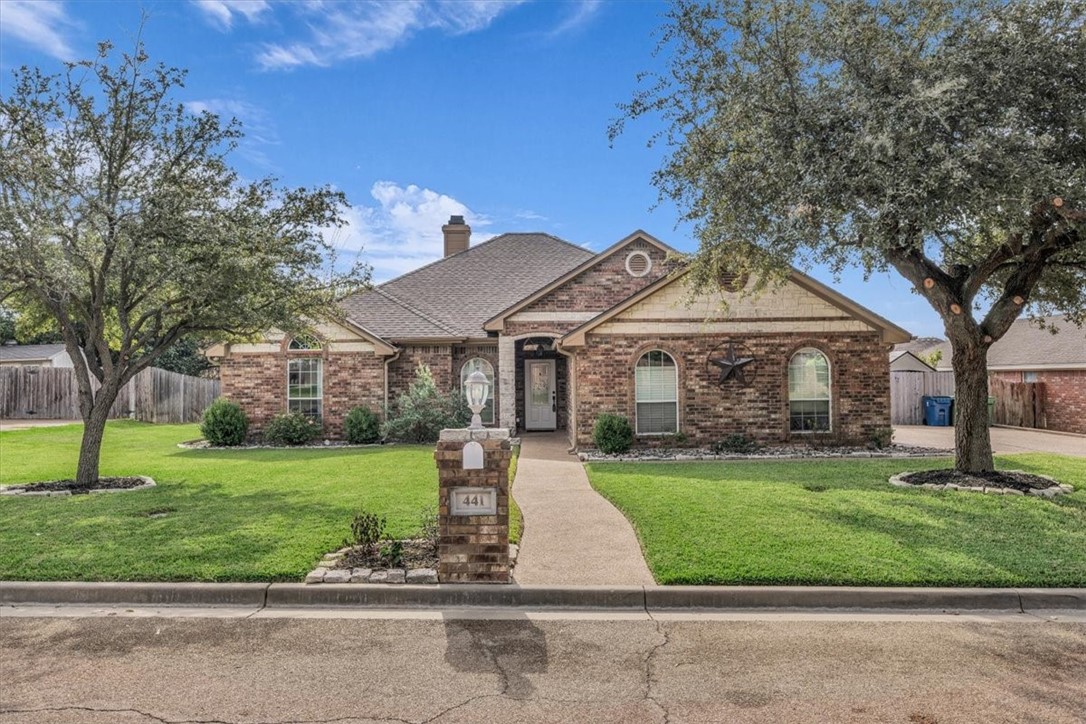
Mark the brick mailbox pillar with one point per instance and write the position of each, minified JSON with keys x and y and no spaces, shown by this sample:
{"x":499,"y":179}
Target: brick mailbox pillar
{"x":473,"y":506}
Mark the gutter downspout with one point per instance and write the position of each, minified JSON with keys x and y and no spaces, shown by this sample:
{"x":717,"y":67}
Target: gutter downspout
{"x":389,"y":360}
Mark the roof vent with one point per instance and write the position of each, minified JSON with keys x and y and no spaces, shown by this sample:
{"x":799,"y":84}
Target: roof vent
{"x":638,"y":263}
{"x":457,"y":235}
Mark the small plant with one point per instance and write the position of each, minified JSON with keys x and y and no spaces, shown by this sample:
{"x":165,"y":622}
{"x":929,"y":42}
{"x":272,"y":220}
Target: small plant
{"x":612,"y":434}
{"x":677,"y":439}
{"x":428,"y":527}
{"x":291,"y":428}
{"x":367,"y":530}
{"x":882,"y":437}
{"x":361,"y":426}
{"x":392,"y":554}
{"x":224,"y":423}
{"x":737,"y":443}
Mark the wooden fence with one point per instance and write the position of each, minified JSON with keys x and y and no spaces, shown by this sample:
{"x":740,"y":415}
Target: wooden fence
{"x":154,"y":395}
{"x":1021,"y":404}
{"x":907,"y":389}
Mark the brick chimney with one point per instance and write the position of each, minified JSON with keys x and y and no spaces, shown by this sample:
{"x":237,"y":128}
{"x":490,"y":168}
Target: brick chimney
{"x":457,"y":235}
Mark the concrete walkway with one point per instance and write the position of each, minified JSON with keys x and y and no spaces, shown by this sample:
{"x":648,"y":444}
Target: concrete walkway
{"x":572,"y":535}
{"x":1004,"y":439}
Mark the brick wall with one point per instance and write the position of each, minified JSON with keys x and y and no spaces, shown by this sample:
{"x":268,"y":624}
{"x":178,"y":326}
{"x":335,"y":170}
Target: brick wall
{"x":351,"y":380}
{"x":859,"y":369}
{"x":1065,"y":397}
{"x":257,"y":382}
{"x":401,"y":373}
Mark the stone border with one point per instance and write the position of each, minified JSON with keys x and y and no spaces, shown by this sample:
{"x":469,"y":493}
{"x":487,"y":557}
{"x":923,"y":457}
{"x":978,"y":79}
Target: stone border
{"x":8,"y":489}
{"x":326,"y":571}
{"x":1057,"y":488}
{"x":203,"y":444}
{"x":657,"y":455}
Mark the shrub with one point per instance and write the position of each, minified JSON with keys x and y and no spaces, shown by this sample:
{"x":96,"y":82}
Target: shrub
{"x":737,"y":443}
{"x":367,"y":530}
{"x":292,"y":428}
{"x":882,"y":437}
{"x":612,"y":434}
{"x":429,"y":529}
{"x":361,"y":426}
{"x":423,"y":412}
{"x":224,"y":423}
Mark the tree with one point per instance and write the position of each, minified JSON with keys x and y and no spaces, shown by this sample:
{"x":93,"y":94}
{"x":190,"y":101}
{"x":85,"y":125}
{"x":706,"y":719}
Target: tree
{"x":121,"y":219}
{"x":945,"y":139}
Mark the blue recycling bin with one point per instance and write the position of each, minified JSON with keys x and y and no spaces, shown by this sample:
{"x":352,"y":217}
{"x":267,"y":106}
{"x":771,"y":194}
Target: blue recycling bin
{"x":938,"y":411}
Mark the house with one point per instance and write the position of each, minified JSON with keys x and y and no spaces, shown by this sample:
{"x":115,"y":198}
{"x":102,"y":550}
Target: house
{"x":34,"y":355}
{"x":1030,"y":353}
{"x":566,"y":334}
{"x":906,"y":361}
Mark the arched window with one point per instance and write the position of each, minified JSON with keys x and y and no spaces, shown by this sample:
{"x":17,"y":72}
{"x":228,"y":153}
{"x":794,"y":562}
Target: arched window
{"x":478,"y":363}
{"x":809,"y":391}
{"x":656,"y":391}
{"x":305,"y":379}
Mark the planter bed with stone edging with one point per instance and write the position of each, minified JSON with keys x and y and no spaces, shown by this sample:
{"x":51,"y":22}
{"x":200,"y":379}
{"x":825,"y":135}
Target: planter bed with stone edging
{"x":998,"y":482}
{"x":782,"y":452}
{"x":354,"y":565}
{"x":202,"y":444}
{"x":69,"y":487}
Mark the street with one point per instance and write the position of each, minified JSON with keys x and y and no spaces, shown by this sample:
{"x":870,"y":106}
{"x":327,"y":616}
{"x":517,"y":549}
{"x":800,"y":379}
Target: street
{"x":218,"y":665}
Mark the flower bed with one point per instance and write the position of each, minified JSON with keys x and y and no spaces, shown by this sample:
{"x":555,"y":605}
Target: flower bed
{"x":776,"y":452}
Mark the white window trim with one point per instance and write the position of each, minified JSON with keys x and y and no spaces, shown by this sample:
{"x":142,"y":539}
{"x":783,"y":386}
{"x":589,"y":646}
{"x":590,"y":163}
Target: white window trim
{"x":637,"y":418}
{"x":493,"y":388}
{"x":648,"y":263}
{"x":320,"y":381}
{"x":829,"y":409}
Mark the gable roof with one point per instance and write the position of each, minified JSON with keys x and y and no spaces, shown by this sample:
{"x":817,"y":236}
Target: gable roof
{"x":890,"y":331}
{"x":497,"y":322}
{"x":898,"y":354}
{"x":918,"y":345}
{"x":30,"y":352}
{"x":1026,"y":346}
{"x":451,"y":298}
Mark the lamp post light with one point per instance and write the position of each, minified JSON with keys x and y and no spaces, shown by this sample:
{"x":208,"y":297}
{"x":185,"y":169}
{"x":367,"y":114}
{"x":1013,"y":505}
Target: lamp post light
{"x":476,"y":389}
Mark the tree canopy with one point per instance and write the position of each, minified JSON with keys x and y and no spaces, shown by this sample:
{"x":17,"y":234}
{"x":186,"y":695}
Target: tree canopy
{"x":122,"y":219}
{"x":943,"y":138}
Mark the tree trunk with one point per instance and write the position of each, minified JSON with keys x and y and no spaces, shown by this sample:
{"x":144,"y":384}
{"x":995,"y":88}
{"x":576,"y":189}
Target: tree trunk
{"x":971,"y":437}
{"x":94,"y":427}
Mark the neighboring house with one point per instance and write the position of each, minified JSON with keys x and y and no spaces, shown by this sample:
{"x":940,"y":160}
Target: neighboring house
{"x":1027,"y":353}
{"x":566,"y":335}
{"x":34,"y":355}
{"x":905,"y":361}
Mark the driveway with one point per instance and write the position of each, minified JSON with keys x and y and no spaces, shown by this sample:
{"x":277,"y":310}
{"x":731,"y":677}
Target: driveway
{"x":6,"y":425}
{"x":1004,"y":439}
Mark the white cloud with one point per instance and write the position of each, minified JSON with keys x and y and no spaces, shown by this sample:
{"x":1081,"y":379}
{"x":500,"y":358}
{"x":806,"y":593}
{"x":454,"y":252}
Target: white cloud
{"x":221,"y":13}
{"x":259,"y":128}
{"x":529,"y":215}
{"x":344,"y":31}
{"x":581,"y":15}
{"x":43,"y":25}
{"x":402,"y":231}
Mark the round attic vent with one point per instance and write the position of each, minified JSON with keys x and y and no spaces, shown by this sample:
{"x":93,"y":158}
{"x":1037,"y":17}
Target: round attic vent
{"x":638,"y":263}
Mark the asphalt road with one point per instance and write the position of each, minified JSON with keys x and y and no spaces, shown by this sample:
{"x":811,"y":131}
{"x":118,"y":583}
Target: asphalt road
{"x":119,"y":668}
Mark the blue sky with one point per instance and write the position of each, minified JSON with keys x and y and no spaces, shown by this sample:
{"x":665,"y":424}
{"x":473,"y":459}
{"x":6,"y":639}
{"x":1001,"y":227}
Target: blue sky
{"x":419,"y":110}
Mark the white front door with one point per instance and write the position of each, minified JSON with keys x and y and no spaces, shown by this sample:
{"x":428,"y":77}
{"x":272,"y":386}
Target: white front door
{"x":540,"y":395}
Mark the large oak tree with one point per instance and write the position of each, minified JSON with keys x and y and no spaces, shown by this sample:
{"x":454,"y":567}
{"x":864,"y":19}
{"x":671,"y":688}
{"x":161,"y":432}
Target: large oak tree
{"x":945,"y":139}
{"x":121,"y":218}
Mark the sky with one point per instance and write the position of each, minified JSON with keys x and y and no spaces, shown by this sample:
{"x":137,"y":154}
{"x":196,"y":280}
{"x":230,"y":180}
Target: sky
{"x":418,"y":110}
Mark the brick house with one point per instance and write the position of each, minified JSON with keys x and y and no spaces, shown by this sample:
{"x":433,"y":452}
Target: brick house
{"x":565,"y":335}
{"x":1028,"y":353}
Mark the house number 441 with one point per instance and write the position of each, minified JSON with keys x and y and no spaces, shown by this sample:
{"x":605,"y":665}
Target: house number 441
{"x":473,"y":501}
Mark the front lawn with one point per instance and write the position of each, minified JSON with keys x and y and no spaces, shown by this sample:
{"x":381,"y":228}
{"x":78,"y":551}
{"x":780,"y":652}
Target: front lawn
{"x":840,"y":523}
{"x":236,"y":515}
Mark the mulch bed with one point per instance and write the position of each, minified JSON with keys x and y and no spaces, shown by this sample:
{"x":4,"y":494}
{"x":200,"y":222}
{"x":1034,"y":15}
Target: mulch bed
{"x":1015,"y":480}
{"x":118,"y":483}
{"x":415,"y":554}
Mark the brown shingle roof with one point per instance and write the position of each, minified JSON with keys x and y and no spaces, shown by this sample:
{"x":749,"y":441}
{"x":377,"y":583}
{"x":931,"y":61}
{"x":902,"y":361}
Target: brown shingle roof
{"x":454,"y":296}
{"x":1026,"y":346}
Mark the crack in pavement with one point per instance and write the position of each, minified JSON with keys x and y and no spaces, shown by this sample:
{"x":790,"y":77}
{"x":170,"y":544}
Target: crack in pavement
{"x":649,"y":666}
{"x":163,"y":720}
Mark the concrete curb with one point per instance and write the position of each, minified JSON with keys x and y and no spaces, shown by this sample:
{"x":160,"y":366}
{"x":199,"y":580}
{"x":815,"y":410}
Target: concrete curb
{"x":639,"y":598}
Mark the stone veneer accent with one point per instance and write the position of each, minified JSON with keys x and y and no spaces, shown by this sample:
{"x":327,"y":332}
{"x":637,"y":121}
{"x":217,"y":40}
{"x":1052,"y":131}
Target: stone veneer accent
{"x":1065,"y":397}
{"x":475,"y":548}
{"x":859,"y":370}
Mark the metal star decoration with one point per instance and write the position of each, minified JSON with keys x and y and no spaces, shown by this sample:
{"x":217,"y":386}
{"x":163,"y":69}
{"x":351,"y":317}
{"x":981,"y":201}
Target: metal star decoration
{"x":732,"y":366}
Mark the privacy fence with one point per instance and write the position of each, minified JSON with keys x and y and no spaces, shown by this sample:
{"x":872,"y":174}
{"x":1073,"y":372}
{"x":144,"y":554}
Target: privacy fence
{"x":907,"y":390}
{"x":154,"y":395}
{"x":1021,"y":404}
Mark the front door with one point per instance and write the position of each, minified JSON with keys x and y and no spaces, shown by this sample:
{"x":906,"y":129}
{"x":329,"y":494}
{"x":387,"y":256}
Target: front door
{"x":540,"y":395}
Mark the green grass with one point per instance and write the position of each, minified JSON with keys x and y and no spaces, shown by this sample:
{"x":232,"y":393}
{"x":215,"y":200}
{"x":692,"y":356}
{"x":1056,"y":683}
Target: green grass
{"x":237,"y":515}
{"x":841,"y":523}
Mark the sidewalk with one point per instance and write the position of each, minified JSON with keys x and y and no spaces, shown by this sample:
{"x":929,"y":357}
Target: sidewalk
{"x":1004,"y":439}
{"x":572,"y":535}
